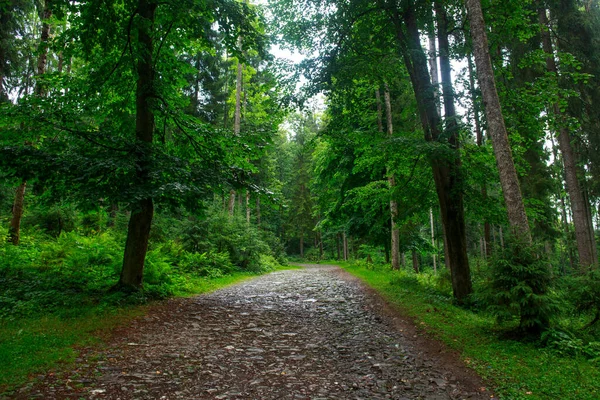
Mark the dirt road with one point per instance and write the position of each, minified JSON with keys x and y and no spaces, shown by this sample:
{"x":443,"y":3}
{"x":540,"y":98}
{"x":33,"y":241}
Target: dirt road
{"x":314,"y":333}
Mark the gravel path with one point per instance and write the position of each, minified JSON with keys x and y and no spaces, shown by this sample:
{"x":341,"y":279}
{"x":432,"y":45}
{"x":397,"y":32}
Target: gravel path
{"x":314,"y":333}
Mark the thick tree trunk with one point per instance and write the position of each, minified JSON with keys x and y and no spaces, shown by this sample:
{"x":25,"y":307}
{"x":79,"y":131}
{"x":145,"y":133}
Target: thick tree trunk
{"x":14,"y":231}
{"x":415,"y":260}
{"x":496,"y":126}
{"x":395,"y":242}
{"x":584,"y":229}
{"x":446,"y":172}
{"x":140,"y":222}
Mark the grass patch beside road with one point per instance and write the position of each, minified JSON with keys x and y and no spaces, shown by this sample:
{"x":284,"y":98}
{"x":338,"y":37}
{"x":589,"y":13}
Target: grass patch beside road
{"x":515,"y":369}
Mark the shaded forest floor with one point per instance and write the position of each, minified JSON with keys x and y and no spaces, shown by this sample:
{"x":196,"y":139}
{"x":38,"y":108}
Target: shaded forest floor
{"x":299,"y":334}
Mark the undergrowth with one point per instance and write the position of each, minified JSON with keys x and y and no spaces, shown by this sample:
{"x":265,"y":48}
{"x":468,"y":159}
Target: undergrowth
{"x":56,"y":285}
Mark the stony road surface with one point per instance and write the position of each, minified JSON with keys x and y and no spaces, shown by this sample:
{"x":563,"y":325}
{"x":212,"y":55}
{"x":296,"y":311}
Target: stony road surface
{"x":314,"y":333}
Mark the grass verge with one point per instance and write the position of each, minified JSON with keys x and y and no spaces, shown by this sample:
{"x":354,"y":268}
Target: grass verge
{"x":33,"y":345}
{"x":515,"y":369}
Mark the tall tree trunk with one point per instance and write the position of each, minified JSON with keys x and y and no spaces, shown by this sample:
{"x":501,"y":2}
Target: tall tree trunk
{"x":4,"y":19}
{"x":301,"y":244}
{"x":258,"y":211}
{"x":40,"y":89}
{"x":140,"y":222}
{"x":14,"y":230}
{"x":345,"y":241}
{"x":320,"y":245}
{"x":237,"y":118}
{"x":337,"y":237}
{"x":248,"y":207}
{"x":496,"y":126}
{"x":395,"y":242}
{"x":584,"y":229}
{"x":231,"y":205}
{"x":446,"y":172}
{"x":433,"y":239}
{"x":479,"y":140}
{"x":415,"y":260}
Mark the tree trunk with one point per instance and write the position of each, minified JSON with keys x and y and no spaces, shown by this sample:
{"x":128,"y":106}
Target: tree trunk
{"x":40,"y":89}
{"x":248,"y":207}
{"x":140,"y":222}
{"x":231,"y":206}
{"x":301,"y":244}
{"x":112,"y":215}
{"x":4,"y":19}
{"x":18,"y":208}
{"x":338,"y":246}
{"x":14,"y":231}
{"x":496,"y":126}
{"x":584,"y":229}
{"x":479,"y":140}
{"x":258,"y":211}
{"x":345,"y":240}
{"x":433,"y":239}
{"x":237,"y":118}
{"x":446,"y":172}
{"x":415,"y":260}
{"x":395,"y":242}
{"x":320,"y":245}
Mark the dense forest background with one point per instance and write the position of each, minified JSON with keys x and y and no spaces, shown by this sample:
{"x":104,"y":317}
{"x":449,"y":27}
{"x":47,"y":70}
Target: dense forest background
{"x":155,"y":144}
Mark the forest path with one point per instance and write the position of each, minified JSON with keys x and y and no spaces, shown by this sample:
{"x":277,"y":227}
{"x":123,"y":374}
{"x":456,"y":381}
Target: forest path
{"x":314,"y":333}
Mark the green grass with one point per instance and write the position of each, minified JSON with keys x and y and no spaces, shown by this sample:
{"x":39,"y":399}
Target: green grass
{"x":33,"y":345}
{"x":514,"y":369}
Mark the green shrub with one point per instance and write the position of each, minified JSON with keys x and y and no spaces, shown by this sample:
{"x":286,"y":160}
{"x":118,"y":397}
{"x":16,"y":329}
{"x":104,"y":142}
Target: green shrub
{"x":567,"y":343}
{"x":583,"y":292}
{"x":52,"y":220}
{"x":518,"y":288}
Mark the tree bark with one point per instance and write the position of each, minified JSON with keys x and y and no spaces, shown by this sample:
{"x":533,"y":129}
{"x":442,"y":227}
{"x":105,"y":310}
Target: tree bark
{"x":345,"y":242}
{"x":496,"y":126}
{"x":140,"y":222}
{"x":248,"y":207}
{"x":479,"y":140}
{"x":18,"y":208}
{"x":395,"y":240}
{"x":446,"y":172}
{"x":258,"y":211}
{"x":584,"y":229}
{"x":433,"y":239}
{"x":14,"y":230}
{"x":415,"y":260}
{"x":40,"y":89}
{"x":231,"y":206}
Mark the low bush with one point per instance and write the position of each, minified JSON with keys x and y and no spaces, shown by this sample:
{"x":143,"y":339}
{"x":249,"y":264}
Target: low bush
{"x":519,"y":288}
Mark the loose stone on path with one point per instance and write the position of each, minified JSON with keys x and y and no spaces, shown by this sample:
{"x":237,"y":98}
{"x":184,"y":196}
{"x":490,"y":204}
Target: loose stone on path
{"x":313,"y":333}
